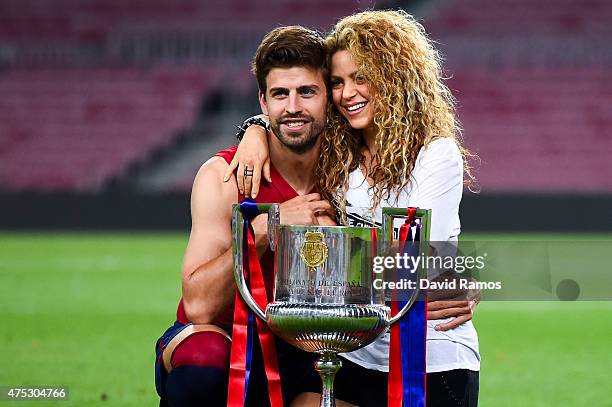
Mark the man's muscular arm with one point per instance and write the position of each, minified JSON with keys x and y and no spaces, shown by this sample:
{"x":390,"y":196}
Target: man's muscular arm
{"x":208,"y":282}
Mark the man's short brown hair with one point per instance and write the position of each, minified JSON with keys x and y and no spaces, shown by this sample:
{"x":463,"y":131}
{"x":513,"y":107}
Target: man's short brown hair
{"x":286,"y":47}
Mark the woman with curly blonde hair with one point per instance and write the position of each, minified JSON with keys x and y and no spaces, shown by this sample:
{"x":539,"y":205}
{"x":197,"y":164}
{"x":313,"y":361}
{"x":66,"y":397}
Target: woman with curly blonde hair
{"x":392,"y":139}
{"x":407,"y":105}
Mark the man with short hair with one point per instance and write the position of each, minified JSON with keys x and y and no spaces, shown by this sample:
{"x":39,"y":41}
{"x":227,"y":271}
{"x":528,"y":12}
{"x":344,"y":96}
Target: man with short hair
{"x":193,"y":355}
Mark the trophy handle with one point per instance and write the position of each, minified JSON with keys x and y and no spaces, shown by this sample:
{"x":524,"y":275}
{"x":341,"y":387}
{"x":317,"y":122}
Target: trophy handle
{"x":273,"y":222}
{"x":388,"y":216}
{"x":238,"y":251}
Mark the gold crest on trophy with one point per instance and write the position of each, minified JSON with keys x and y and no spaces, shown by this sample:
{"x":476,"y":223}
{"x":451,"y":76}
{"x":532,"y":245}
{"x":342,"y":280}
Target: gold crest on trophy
{"x":314,"y":250}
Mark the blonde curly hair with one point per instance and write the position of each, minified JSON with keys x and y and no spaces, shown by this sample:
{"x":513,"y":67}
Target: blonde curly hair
{"x":412,"y":105}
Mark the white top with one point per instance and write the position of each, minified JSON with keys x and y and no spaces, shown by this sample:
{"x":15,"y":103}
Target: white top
{"x":436,"y":184}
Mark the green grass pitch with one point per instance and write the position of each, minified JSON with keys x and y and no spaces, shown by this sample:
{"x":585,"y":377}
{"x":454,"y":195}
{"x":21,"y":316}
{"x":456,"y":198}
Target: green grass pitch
{"x":83,"y":310}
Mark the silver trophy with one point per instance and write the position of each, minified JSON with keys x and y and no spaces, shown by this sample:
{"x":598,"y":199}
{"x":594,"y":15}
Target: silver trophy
{"x":324,"y":300}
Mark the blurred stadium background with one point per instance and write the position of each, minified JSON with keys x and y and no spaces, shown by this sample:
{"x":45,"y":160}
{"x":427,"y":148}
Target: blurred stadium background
{"x":108,"y":108}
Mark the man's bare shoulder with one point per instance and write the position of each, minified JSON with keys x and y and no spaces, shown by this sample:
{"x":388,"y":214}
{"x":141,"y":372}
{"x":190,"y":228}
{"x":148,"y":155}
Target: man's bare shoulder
{"x":211,"y":173}
{"x":213,"y":165}
{"x":211,"y":198}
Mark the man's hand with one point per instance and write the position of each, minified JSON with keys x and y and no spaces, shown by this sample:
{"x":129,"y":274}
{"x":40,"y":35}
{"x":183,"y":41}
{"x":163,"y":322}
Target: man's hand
{"x":460,"y":311}
{"x":306,"y":210}
{"x":326,"y":220}
{"x":302,"y":210}
{"x":457,"y":304}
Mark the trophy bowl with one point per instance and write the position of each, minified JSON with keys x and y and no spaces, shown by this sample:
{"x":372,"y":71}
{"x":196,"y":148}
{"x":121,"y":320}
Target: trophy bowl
{"x":327,"y":327}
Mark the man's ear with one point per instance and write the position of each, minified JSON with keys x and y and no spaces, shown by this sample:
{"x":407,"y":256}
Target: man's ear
{"x":263,"y":103}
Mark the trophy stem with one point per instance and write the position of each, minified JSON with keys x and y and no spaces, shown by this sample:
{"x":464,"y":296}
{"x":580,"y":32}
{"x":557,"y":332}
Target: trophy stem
{"x":328,"y":365}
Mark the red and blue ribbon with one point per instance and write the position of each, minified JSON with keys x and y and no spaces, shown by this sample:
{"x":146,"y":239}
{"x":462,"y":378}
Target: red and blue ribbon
{"x":244,"y":326}
{"x":407,"y":370}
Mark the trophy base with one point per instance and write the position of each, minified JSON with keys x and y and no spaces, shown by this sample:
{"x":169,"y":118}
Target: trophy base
{"x":324,"y":328}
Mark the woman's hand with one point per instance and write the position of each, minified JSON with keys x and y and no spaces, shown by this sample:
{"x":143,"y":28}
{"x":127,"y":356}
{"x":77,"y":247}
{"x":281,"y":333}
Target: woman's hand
{"x":252,"y":157}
